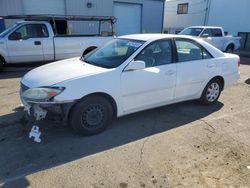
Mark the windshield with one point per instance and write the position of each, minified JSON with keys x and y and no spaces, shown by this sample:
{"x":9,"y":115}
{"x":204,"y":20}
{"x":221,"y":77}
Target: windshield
{"x":8,"y":30}
{"x":191,"y":31}
{"x":112,"y":54}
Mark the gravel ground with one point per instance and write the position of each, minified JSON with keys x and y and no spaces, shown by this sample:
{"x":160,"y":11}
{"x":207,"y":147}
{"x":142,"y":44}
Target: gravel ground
{"x":180,"y":145}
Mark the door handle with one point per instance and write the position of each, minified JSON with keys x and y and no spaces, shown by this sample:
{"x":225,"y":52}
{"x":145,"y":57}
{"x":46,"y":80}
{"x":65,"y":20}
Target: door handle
{"x":170,"y":72}
{"x":37,"y":43}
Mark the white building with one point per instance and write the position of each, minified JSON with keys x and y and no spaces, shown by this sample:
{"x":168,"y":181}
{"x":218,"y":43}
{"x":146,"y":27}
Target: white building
{"x":232,"y":15}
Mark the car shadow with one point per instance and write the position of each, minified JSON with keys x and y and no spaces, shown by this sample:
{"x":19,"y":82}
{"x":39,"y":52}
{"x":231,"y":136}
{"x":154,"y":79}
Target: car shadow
{"x":245,"y":60}
{"x":20,"y":156}
{"x":20,"y":183}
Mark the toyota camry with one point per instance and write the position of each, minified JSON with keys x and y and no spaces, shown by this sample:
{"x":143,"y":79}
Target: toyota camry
{"x":129,"y":74}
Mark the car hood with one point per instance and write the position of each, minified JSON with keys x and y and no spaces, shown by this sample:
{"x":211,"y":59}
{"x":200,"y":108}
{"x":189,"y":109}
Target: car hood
{"x":60,"y":71}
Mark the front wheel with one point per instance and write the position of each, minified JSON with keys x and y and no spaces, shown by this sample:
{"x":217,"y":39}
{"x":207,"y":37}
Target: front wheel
{"x":91,"y":115}
{"x":212,"y":92}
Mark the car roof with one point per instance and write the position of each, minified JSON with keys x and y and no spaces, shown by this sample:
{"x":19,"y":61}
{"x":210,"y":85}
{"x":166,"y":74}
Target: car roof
{"x":153,"y":36}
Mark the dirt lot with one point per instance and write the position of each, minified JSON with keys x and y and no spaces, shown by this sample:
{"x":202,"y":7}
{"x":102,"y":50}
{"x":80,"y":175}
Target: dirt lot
{"x":181,"y":145}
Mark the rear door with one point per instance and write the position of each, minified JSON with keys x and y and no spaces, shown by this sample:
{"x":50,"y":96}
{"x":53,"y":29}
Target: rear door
{"x":215,"y":37}
{"x":25,"y":44}
{"x":195,"y":66}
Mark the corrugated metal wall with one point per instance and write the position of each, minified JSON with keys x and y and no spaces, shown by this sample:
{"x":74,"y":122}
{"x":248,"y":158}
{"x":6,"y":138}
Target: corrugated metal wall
{"x":79,"y":7}
{"x":99,"y":7}
{"x":10,"y":7}
{"x":44,"y":7}
{"x":151,"y":20}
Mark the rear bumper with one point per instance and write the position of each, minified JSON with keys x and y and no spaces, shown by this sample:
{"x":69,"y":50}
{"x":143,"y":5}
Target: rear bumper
{"x":231,"y":79}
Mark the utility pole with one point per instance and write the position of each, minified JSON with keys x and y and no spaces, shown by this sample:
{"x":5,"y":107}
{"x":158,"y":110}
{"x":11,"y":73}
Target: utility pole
{"x":207,"y":10}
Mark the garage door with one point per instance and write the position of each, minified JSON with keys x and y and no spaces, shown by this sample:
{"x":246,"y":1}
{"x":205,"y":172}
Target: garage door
{"x":44,"y":7}
{"x":128,"y":18}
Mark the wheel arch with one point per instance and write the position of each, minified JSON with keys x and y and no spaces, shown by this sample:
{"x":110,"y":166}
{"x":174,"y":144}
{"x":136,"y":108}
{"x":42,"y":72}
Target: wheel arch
{"x":2,"y":58}
{"x":230,"y":44}
{"x":102,"y":94}
{"x":220,"y":79}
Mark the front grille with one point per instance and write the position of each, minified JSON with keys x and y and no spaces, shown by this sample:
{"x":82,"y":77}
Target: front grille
{"x":24,"y":87}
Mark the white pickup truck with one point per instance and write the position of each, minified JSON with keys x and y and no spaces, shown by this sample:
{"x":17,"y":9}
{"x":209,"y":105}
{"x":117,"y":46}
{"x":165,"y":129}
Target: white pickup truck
{"x":214,"y":36}
{"x":35,"y":41}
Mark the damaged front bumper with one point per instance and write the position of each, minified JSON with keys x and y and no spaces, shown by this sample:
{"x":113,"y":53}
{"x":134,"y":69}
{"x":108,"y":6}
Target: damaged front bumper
{"x":40,"y":110}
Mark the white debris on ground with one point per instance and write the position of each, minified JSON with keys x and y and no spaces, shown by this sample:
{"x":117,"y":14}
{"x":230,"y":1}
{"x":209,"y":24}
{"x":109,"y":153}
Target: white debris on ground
{"x":35,"y":133}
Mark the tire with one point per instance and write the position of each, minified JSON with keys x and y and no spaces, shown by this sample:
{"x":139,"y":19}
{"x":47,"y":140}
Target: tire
{"x":1,"y":64}
{"x":230,"y":49}
{"x":211,"y":92}
{"x":91,"y":115}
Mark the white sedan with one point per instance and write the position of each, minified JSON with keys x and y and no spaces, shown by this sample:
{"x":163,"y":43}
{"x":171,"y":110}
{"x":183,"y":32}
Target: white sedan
{"x":129,"y":74}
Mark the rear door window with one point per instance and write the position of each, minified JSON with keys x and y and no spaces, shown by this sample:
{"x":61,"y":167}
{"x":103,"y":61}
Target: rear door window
{"x":216,"y":33}
{"x":188,"y":50}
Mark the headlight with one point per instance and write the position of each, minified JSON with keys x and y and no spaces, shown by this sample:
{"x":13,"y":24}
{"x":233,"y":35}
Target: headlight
{"x":42,"y":94}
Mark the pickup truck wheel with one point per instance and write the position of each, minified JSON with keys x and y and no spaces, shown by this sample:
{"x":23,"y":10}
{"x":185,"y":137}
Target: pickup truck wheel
{"x":211,"y":93}
{"x":230,"y":49}
{"x":91,"y":115}
{"x":1,"y":64}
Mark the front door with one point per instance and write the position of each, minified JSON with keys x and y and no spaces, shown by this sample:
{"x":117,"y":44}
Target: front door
{"x":154,"y":85}
{"x":26,"y":43}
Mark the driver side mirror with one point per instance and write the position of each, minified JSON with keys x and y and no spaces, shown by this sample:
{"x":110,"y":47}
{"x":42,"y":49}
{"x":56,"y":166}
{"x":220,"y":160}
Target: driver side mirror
{"x":135,"y":65}
{"x":15,"y":36}
{"x":205,"y":35}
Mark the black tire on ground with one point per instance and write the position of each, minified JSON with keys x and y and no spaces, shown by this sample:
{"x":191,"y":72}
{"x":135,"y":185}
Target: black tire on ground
{"x":1,"y":64}
{"x":211,"y":92}
{"x":230,"y":48}
{"x":91,"y":115}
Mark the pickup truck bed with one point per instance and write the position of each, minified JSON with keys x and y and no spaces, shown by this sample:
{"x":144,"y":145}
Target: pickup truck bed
{"x":214,"y":36}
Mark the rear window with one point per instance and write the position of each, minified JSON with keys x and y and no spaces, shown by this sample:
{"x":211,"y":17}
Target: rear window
{"x":191,"y":31}
{"x":216,"y":33}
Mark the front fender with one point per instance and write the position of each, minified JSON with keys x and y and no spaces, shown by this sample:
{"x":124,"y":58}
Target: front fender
{"x":78,"y":88}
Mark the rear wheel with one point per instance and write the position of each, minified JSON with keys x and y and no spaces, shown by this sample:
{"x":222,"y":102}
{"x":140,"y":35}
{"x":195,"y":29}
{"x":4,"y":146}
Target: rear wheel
{"x":230,"y":49}
{"x":91,"y":115}
{"x":1,"y":64}
{"x":212,"y":92}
